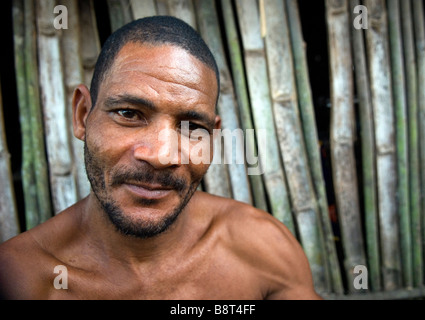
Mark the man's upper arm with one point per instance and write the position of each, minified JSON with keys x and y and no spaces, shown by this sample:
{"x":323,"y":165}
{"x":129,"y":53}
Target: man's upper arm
{"x":282,"y":263}
{"x":19,"y":276}
{"x":293,"y":273}
{"x":9,"y":271}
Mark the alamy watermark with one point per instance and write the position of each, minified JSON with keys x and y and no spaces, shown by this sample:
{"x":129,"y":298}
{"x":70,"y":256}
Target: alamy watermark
{"x":361,"y":281}
{"x":194,"y":147}
{"x":61,"y":281}
{"x":361,"y":20}
{"x":61,"y":20}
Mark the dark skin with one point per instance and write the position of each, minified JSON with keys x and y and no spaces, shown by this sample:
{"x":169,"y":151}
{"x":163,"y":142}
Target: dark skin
{"x":216,"y":248}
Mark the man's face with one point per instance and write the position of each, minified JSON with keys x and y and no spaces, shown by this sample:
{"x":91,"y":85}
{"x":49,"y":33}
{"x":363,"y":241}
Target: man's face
{"x":147,"y":94}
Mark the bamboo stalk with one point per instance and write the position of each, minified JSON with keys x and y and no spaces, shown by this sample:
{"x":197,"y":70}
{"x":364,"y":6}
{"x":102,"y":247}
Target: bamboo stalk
{"x":119,"y":13}
{"x":412,"y":107}
{"x":73,"y":75}
{"x":256,"y":70}
{"x":35,"y":114}
{"x":208,"y":24}
{"x":399,"y":89}
{"x":342,"y":137}
{"x":183,"y":9}
{"x":141,"y":9}
{"x":291,"y":139}
{"x":27,"y":170}
{"x":368,"y":155}
{"x":312,"y":140}
{"x":162,"y":7}
{"x":418,"y":19}
{"x":9,"y":223}
{"x":89,"y":39}
{"x":54,"y":108}
{"x":379,"y":70}
{"x":239,"y":82}
{"x":217,"y":180}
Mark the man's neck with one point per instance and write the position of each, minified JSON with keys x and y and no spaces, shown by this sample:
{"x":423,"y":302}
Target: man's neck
{"x":131,"y":249}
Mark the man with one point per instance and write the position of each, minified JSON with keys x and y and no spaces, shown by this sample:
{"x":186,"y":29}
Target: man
{"x":144,"y":232}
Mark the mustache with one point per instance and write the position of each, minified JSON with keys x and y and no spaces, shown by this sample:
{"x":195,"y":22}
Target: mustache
{"x":148,"y":176}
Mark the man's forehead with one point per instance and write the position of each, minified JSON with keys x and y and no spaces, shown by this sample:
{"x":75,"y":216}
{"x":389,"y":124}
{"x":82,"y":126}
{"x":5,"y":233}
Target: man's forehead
{"x":158,"y":57}
{"x":164,"y":61}
{"x":164,"y":64}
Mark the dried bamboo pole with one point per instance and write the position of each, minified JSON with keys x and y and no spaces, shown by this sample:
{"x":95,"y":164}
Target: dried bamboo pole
{"x":412,"y":107}
{"x":379,"y":70}
{"x":217,"y":180}
{"x":34,"y":169}
{"x":183,"y":9}
{"x":342,"y":137}
{"x":399,"y":93}
{"x":311,"y":139}
{"x":261,"y":106}
{"x":368,"y":154}
{"x":35,"y":114}
{"x":73,"y":75}
{"x":27,"y":170}
{"x":89,"y":39}
{"x":291,"y":139}
{"x":419,"y":25}
{"x":162,"y":7}
{"x":141,"y":9}
{"x":119,"y":13}
{"x":9,"y":223}
{"x":62,"y":181}
{"x":209,"y":29}
{"x":239,"y":82}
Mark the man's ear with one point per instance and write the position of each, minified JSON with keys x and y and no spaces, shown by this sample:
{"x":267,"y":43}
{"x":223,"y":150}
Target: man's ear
{"x":81,"y":106}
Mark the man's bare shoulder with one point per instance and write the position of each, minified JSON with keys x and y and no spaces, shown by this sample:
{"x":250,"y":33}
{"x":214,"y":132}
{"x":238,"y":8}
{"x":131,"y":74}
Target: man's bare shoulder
{"x":27,"y":261}
{"x":266,"y":245}
{"x":20,"y":258}
{"x":242,"y":220}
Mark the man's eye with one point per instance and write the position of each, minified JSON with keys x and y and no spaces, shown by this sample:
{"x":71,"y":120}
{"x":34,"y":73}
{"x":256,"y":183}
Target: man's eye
{"x":194,"y":126}
{"x":191,"y":126}
{"x":129,"y":117}
{"x":128,"y":114}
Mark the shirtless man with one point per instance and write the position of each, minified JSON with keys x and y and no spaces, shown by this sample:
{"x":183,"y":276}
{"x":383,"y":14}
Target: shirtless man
{"x":144,"y":232}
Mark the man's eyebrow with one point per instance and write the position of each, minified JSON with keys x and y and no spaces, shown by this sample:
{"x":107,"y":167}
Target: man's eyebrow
{"x":195,"y":115}
{"x":123,"y":99}
{"x":129,"y":99}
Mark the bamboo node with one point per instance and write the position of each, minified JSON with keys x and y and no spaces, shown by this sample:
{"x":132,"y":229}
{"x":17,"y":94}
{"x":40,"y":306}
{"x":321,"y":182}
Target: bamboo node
{"x":46,"y":28}
{"x":89,"y":62}
{"x":284,"y":99}
{"x":307,"y":207}
{"x":254,"y":53}
{"x":337,"y":6}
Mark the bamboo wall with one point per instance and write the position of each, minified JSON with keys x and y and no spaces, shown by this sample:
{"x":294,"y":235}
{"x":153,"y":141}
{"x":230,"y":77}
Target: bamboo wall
{"x":376,"y":127}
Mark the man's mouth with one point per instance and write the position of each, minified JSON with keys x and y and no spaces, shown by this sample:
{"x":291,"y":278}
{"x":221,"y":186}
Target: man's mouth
{"x":148,"y":191}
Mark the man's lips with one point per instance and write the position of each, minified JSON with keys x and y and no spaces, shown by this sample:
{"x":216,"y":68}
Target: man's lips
{"x":148,"y":191}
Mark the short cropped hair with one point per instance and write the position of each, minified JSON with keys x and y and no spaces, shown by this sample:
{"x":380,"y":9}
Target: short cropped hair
{"x":155,"y":30}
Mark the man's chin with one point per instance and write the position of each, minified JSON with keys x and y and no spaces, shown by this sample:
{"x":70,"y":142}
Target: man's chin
{"x":145,"y":222}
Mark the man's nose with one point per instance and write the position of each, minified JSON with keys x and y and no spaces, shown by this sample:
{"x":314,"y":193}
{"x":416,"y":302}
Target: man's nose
{"x":158,"y":145}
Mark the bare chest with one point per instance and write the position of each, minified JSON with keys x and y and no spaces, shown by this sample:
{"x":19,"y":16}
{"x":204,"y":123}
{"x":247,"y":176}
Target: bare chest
{"x":199,"y":279}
